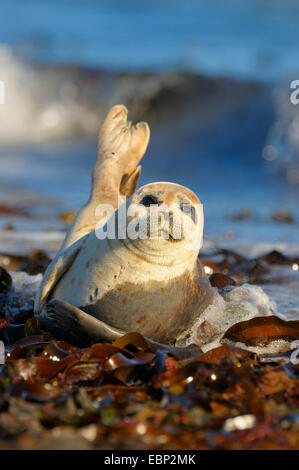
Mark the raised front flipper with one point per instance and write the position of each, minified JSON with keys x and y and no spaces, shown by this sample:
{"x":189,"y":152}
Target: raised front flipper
{"x":116,"y":171}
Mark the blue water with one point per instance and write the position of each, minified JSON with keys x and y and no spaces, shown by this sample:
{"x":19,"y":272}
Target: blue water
{"x":240,"y":39}
{"x":206,"y":134}
{"x":222,"y":165}
{"x":237,"y":38}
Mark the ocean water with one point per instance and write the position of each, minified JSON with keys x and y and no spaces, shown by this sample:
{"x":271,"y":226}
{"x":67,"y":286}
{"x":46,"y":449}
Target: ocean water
{"x":212,"y":78}
{"x":245,"y":39}
{"x":64,"y":63}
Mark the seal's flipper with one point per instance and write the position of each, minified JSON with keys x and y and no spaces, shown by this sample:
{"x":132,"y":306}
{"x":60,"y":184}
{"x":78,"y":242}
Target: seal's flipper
{"x":60,"y":264}
{"x":116,"y":172}
{"x":70,"y":323}
{"x":121,"y":143}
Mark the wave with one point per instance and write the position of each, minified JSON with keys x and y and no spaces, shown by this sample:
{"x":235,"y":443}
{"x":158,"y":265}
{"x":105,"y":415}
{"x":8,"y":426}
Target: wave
{"x":55,"y":102}
{"x":282,"y":146}
{"x":43,"y":103}
{"x":48,"y":102}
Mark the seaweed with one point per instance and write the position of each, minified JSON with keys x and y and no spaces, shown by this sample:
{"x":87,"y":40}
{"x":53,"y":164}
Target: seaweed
{"x":132,"y":394}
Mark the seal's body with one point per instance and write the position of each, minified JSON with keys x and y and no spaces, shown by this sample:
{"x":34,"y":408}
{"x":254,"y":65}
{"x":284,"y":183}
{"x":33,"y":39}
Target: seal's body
{"x":149,"y":280}
{"x":153,"y":286}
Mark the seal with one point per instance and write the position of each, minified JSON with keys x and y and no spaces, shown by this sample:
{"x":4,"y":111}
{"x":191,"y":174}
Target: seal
{"x":148,"y":280}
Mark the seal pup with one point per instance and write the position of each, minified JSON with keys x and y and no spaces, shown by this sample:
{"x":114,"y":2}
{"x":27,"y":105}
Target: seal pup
{"x":97,"y":289}
{"x":154,"y":285}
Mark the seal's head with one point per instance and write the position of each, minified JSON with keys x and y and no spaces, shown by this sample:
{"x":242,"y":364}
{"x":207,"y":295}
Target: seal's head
{"x":164,"y":218}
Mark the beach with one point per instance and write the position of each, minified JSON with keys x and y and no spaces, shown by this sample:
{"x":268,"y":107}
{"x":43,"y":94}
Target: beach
{"x":214,"y":83}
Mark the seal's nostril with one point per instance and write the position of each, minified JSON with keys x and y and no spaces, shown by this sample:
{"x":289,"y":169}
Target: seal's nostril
{"x":149,"y":200}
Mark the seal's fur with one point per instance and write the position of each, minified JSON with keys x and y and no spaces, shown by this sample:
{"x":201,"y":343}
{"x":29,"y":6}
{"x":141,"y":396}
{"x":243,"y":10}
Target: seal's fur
{"x":154,"y":286}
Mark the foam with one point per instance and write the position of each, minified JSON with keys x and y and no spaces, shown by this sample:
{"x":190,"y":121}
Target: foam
{"x":238,"y":304}
{"x":24,"y":291}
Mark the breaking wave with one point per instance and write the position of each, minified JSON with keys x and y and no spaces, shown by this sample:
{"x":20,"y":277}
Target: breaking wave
{"x":56,"y":102}
{"x":48,"y":102}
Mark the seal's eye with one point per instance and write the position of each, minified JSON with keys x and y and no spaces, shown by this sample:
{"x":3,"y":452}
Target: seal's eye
{"x":149,"y":200}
